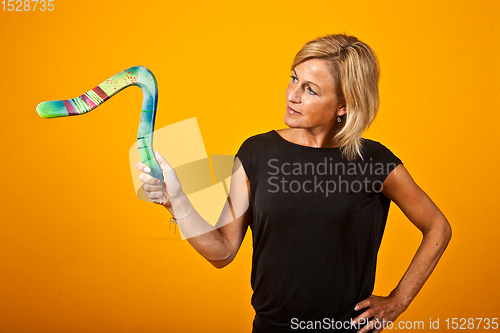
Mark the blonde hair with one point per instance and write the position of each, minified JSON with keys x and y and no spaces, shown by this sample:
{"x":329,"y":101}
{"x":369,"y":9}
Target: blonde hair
{"x":356,"y":73}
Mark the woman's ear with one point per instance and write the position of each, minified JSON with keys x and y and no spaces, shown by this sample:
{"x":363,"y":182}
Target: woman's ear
{"x":342,"y":110}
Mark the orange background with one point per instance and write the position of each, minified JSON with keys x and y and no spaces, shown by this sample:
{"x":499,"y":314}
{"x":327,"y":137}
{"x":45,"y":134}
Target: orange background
{"x":80,"y":253}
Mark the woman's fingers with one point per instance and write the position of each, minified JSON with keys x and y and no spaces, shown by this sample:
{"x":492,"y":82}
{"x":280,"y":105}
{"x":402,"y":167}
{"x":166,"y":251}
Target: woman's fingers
{"x":156,"y":190}
{"x":380,"y":313}
{"x":150,"y":184}
{"x":148,"y":179}
{"x":364,"y":304}
{"x":154,"y":194}
{"x":142,"y":167}
{"x":153,"y":188}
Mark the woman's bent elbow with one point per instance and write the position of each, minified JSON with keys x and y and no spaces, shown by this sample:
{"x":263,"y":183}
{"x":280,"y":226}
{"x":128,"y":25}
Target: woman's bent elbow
{"x":221,"y":261}
{"x":440,"y":232}
{"x":219,"y":264}
{"x":445,"y":232}
{"x":448,"y":232}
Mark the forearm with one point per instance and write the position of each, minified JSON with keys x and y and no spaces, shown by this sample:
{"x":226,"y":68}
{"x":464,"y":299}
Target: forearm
{"x":433,"y":244}
{"x":205,"y":239}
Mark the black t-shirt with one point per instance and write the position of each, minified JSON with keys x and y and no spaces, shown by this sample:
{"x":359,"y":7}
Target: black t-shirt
{"x":317,"y":225}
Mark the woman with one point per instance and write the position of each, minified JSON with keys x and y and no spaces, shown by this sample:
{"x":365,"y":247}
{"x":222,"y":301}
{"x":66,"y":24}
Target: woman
{"x":316,"y":196}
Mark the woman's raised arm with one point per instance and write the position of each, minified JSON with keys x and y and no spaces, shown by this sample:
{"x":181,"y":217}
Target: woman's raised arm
{"x":218,"y":244}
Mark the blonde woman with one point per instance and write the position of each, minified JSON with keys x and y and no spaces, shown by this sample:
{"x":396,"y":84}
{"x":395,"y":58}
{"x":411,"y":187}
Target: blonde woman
{"x":316,"y":196}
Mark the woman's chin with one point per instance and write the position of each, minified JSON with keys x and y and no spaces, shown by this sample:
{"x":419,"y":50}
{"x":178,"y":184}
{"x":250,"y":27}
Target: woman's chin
{"x":291,"y":122}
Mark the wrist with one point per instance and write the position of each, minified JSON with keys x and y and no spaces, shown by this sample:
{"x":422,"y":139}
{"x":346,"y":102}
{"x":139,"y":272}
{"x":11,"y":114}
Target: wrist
{"x":179,"y":206}
{"x":402,"y":301}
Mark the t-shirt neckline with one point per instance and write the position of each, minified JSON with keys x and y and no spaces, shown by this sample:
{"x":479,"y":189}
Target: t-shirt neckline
{"x":297,"y":145}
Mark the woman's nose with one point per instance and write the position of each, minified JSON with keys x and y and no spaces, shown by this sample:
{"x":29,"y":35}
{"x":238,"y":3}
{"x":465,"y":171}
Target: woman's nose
{"x":294,"y":95}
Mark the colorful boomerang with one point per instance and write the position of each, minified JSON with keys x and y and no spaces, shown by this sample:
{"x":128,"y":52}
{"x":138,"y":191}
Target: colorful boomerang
{"x":138,"y":76}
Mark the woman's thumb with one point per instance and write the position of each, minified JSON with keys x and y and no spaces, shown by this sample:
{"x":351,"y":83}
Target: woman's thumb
{"x":162,"y":161}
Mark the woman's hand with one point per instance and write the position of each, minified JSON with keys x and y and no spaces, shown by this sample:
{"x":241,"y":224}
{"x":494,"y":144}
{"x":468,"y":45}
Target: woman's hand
{"x":381,"y":309}
{"x":165,"y":193}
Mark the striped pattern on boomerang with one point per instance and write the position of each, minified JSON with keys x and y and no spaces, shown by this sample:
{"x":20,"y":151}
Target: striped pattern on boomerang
{"x":134,"y":76}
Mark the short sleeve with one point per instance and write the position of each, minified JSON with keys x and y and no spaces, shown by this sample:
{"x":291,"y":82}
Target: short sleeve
{"x":381,"y":159}
{"x":246,"y":154}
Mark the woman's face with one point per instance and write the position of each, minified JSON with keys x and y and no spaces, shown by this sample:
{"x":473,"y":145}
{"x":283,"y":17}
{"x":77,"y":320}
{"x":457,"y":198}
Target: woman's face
{"x":311,"y":99}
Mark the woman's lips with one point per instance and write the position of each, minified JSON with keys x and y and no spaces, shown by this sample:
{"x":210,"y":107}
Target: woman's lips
{"x":292,"y":111}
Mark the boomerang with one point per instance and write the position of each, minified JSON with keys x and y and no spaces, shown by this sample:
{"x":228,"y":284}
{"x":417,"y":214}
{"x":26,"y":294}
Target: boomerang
{"x":134,"y":76}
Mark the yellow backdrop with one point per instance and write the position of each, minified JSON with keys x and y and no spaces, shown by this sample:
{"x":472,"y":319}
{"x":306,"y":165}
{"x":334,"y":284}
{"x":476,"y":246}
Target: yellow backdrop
{"x":80,"y":253}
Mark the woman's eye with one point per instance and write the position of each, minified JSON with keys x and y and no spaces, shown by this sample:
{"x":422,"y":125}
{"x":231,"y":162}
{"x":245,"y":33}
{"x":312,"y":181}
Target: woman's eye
{"x":294,"y":78}
{"x":312,"y":92}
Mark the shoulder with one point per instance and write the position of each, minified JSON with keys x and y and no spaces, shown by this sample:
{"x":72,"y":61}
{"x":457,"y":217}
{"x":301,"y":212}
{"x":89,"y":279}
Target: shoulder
{"x":257,"y":141}
{"x":251,"y":150}
{"x":379,"y":155}
{"x":262,"y":137}
{"x":369,"y":145}
{"x":371,"y":148}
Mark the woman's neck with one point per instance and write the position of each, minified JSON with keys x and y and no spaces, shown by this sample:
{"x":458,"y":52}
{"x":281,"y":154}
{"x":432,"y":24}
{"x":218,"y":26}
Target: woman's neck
{"x":309,"y":137}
